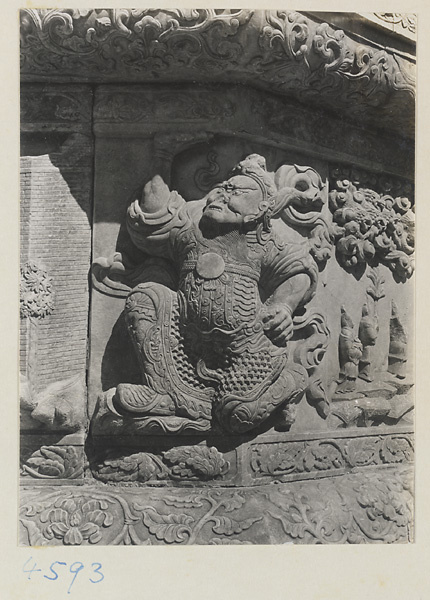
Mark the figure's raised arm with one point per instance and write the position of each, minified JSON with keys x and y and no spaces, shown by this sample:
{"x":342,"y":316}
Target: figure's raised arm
{"x":151,"y":220}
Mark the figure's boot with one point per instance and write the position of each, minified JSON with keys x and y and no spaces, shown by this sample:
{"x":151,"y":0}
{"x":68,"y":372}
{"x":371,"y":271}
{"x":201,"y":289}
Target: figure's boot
{"x":141,"y":400}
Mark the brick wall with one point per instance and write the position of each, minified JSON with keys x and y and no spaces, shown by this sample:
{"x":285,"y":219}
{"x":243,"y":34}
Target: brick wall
{"x":56,"y":192}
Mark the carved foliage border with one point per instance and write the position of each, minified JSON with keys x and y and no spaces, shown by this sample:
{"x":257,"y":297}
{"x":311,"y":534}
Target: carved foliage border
{"x":367,"y":507}
{"x":329,"y":455}
{"x":283,"y":49}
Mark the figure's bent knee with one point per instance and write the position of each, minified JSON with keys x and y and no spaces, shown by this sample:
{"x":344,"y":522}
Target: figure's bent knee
{"x":146,"y":300}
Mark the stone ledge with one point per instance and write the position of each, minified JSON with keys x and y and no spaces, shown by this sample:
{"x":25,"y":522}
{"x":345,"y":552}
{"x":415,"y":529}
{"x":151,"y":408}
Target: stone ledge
{"x":365,"y":507}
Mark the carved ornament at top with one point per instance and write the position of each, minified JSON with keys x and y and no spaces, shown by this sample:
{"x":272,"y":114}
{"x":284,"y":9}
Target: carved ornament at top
{"x":406,"y":21}
{"x":281,"y":50}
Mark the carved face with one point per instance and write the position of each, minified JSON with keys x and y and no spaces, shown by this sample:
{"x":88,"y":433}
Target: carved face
{"x":233,"y":201}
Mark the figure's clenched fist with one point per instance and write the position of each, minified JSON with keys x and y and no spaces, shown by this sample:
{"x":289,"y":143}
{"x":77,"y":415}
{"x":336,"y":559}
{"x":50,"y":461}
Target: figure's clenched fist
{"x":278,"y":323}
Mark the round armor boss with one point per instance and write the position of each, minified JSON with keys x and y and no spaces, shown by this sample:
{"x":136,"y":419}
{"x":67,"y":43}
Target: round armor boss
{"x":210,"y":265}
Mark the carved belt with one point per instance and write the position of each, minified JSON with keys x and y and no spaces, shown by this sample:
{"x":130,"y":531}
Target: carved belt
{"x":211,"y":265}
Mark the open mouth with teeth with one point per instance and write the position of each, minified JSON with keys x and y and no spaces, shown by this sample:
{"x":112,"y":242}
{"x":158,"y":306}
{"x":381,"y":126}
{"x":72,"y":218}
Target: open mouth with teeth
{"x":305,"y":210}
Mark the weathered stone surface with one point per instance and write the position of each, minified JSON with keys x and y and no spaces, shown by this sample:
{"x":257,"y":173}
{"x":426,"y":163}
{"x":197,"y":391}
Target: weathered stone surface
{"x":245,"y":374}
{"x":365,"y":507}
{"x":287,"y":51}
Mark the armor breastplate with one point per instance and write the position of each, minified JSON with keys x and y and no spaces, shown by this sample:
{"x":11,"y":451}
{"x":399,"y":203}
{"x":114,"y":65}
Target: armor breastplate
{"x":219,"y":294}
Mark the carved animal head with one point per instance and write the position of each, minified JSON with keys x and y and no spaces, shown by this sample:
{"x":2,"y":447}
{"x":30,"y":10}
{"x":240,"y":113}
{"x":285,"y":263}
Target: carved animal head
{"x":300,"y":197}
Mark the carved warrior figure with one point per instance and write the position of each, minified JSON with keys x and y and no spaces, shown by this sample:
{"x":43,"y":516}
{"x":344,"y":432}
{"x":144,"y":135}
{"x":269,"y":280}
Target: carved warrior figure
{"x":216,"y":350}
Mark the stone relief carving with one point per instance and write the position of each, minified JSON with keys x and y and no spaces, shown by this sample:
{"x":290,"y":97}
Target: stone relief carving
{"x":218,"y":110}
{"x":350,"y":353}
{"x":55,"y":462}
{"x":372,"y":228}
{"x":214,"y":352}
{"x":219,"y":310}
{"x":367,"y":507}
{"x":283,"y":460}
{"x":407,"y":21}
{"x":59,"y":407}
{"x":289,"y":50}
{"x":369,"y":325}
{"x":126,"y":107}
{"x":206,"y":177}
{"x":316,"y":127}
{"x":366,"y":396}
{"x":36,"y":292}
{"x":63,"y":105}
{"x":397,"y":352}
{"x":188,"y":463}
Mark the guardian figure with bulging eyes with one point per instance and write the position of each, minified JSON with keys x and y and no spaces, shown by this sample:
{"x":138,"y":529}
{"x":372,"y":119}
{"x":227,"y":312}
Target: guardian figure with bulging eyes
{"x":216,"y":350}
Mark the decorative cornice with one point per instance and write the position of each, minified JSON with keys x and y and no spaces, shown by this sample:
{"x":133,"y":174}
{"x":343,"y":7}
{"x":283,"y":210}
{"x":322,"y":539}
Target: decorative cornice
{"x":406,"y":21}
{"x":283,"y":51}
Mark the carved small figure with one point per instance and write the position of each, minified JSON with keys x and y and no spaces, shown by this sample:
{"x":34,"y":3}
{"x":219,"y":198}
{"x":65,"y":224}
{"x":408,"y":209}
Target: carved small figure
{"x":397,"y":352}
{"x":350,"y":353}
{"x":217,"y":347}
{"x":368,"y":333}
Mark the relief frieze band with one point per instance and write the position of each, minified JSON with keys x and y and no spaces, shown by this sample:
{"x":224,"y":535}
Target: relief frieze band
{"x":56,"y":107}
{"x":365,"y":507}
{"x":286,"y":461}
{"x":281,"y":50}
{"x":226,"y":110}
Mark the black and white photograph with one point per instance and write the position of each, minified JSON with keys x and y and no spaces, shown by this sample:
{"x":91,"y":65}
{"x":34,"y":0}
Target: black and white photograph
{"x":217,"y":327}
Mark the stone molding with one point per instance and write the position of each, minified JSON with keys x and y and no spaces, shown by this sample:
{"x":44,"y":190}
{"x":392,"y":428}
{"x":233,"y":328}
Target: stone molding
{"x":65,"y":108}
{"x":214,"y":110}
{"x":279,"y":50}
{"x":275,"y":457}
{"x":364,"y":507}
{"x":403,"y":23}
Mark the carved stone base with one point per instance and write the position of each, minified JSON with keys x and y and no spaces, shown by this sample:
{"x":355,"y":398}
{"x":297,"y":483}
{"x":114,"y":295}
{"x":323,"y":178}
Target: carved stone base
{"x":365,"y":507}
{"x":244,"y":460}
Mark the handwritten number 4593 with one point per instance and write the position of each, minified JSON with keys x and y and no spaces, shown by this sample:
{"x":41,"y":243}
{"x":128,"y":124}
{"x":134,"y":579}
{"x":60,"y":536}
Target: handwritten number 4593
{"x":96,"y":575}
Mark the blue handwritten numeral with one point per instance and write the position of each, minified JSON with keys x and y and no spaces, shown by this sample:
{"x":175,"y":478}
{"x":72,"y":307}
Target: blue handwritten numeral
{"x":57,"y":562}
{"x":32,"y":570}
{"x":95,"y":576}
{"x":98,"y":571}
{"x":75,"y":571}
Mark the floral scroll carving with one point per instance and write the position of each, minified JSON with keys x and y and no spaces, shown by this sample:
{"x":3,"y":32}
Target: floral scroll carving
{"x":284,"y":49}
{"x":357,"y":508}
{"x":55,"y":462}
{"x":182,"y":463}
{"x":283,"y":460}
{"x":381,"y":511}
{"x":407,"y":21}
